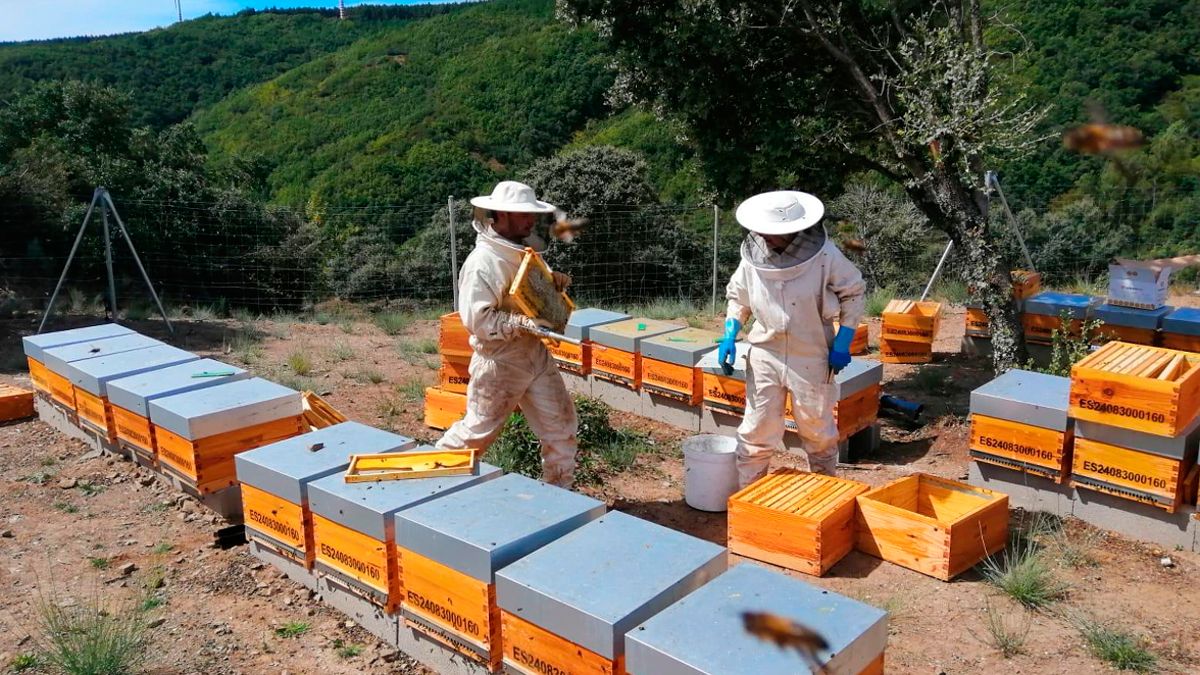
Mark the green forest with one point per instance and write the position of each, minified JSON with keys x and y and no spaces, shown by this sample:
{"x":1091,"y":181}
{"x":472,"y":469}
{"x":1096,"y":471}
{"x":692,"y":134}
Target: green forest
{"x":278,"y":157}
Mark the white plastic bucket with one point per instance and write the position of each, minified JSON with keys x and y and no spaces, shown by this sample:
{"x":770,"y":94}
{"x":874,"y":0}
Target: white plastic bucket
{"x":710,"y":471}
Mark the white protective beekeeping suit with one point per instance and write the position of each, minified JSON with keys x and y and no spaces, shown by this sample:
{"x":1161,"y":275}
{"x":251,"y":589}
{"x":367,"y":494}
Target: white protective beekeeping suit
{"x":510,"y":366}
{"x":795,"y":297}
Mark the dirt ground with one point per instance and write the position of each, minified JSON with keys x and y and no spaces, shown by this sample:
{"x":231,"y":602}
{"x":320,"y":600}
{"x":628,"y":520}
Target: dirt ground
{"x":71,"y":524}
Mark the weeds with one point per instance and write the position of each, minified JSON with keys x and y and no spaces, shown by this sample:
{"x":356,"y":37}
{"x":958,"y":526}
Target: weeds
{"x":245,"y":346}
{"x":341,"y":352}
{"x":389,"y":409}
{"x":207,"y":312}
{"x":878,"y":299}
{"x":99,"y":563}
{"x":1075,"y":550}
{"x":151,"y":602}
{"x":243,"y":315}
{"x":369,"y":375}
{"x":91,"y":489}
{"x":155,"y":578}
{"x":427,"y":346}
{"x":392,"y":323}
{"x":1021,"y":572}
{"x":162,"y":548}
{"x":1067,"y":349}
{"x":94,"y":637}
{"x":346,"y":651}
{"x":49,"y":460}
{"x":39,"y":477}
{"x":138,"y":311}
{"x":1005,"y":634}
{"x":1118,"y":647}
{"x":23,"y":662}
{"x":79,"y":302}
{"x":347,"y":327}
{"x":296,"y":382}
{"x":951,"y":291}
{"x":665,"y":309}
{"x":66,"y":507}
{"x":300,"y":362}
{"x":412,"y":390}
{"x":292,"y":629}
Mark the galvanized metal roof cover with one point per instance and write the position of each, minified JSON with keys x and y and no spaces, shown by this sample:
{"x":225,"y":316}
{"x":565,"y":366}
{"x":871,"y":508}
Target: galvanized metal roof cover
{"x":704,"y":634}
{"x":1035,"y":399}
{"x":860,"y":374}
{"x":1183,"y":446}
{"x":709,"y":363}
{"x":34,"y":345}
{"x":682,"y":347}
{"x":285,"y":468}
{"x":92,"y":375}
{"x":368,"y":507}
{"x":580,"y":325}
{"x":1054,"y":304}
{"x":489,"y":526}
{"x":596,"y":583}
{"x":133,"y":393}
{"x":1130,"y":317}
{"x":1182,"y":321}
{"x":625,"y":334}
{"x":233,"y":405}
{"x":57,"y":358}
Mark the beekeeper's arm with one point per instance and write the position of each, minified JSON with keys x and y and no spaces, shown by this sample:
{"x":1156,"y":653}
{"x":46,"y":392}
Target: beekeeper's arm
{"x":847,"y":285}
{"x":479,"y":304}
{"x":737,"y":312}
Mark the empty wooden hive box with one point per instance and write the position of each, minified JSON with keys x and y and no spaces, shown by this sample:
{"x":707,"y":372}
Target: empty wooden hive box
{"x":1142,"y":467}
{"x":578,"y":358}
{"x":130,"y":399}
{"x":449,"y":550}
{"x":725,"y":393}
{"x":566,"y":607}
{"x":198,"y":433}
{"x":1025,"y":285}
{"x":1043,"y":315}
{"x":1147,"y":389}
{"x":15,"y":403}
{"x":932,"y":525}
{"x":669,"y":363}
{"x":1139,"y":326}
{"x":443,"y":408}
{"x":58,"y":359}
{"x":275,"y":480}
{"x":90,"y":377}
{"x":35,"y":345}
{"x":705,"y":632}
{"x":1019,"y":421}
{"x":453,"y":338}
{"x":1181,"y":329}
{"x":794,"y":519}
{"x":909,"y":329}
{"x":616,"y":349}
{"x":354,"y":529}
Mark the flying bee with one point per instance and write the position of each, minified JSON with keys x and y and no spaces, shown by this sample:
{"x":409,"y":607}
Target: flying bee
{"x":855,"y":246}
{"x":1102,"y":139}
{"x":564,"y":229}
{"x":787,"y":634}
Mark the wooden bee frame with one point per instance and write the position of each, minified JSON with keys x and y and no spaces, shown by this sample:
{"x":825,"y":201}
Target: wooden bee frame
{"x":398,"y":466}
{"x":533,"y":293}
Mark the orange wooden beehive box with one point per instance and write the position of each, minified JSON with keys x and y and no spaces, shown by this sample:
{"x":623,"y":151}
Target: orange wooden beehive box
{"x":724,"y":393}
{"x":15,"y":403}
{"x":354,"y":532}
{"x":670,"y":363}
{"x":443,"y":408}
{"x":129,"y":398}
{"x":578,"y":358}
{"x":977,"y":322}
{"x":1019,"y":421}
{"x":276,"y":476}
{"x":858,"y":388}
{"x":1025,"y":284}
{"x":794,"y":519}
{"x":1164,"y":482}
{"x":932,"y":525}
{"x":198,"y":433}
{"x":455,"y":374}
{"x":616,"y":349}
{"x":453,"y":338}
{"x":449,"y":550}
{"x":911,"y":321}
{"x":1043,"y":315}
{"x":1181,"y":329}
{"x":36,"y":345}
{"x":1148,"y":389}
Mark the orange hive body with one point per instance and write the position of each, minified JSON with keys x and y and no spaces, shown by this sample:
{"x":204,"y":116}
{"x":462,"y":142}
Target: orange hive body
{"x":207,"y":463}
{"x":455,"y":374}
{"x":443,"y":408}
{"x":1138,"y":476}
{"x":1148,"y":389}
{"x":1045,"y":452}
{"x":15,"y":403}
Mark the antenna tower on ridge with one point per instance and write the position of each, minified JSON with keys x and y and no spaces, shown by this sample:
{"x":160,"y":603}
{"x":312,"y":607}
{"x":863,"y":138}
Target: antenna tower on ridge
{"x":341,"y":9}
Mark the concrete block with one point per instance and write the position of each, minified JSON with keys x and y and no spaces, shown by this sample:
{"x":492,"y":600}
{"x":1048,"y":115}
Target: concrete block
{"x":580,"y":385}
{"x":717,"y":422}
{"x":294,"y":570}
{"x":620,"y":398}
{"x":61,"y":420}
{"x":1024,"y":490}
{"x":226,"y":503}
{"x":671,"y":411}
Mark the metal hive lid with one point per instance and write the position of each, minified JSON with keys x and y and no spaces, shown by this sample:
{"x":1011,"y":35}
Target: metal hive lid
{"x":92,"y":375}
{"x":34,"y":345}
{"x":233,"y":405}
{"x":1130,"y":317}
{"x":57,"y":358}
{"x":682,"y":347}
{"x":583,"y":320}
{"x":625,"y":334}
{"x":1027,"y":397}
{"x":134,"y":392}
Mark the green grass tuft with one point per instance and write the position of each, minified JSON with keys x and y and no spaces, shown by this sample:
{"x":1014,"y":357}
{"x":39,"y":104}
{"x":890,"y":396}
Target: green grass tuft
{"x":293,"y":629}
{"x":1022,"y":573}
{"x":878,"y":299}
{"x":300,"y":362}
{"x":1119,"y":648}
{"x":94,"y":637}
{"x":393,"y":323}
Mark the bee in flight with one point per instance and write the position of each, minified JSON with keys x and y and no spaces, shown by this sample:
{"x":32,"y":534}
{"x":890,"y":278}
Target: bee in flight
{"x":787,"y":634}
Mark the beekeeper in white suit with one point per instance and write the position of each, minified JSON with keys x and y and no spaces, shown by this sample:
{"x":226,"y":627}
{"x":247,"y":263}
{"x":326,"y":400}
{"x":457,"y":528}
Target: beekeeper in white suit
{"x":796,"y":284}
{"x":510,"y":365}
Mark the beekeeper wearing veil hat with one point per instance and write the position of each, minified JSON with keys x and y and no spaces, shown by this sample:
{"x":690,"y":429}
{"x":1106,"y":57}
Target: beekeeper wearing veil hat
{"x":510,"y":365}
{"x":796,"y":284}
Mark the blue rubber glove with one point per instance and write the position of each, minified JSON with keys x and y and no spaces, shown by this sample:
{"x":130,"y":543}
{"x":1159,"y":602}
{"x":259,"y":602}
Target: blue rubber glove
{"x":839,"y":356}
{"x":727,"y":352}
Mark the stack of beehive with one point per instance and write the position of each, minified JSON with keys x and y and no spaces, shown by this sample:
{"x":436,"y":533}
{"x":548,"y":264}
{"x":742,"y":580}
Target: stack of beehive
{"x":446,"y":403}
{"x":909,"y":329}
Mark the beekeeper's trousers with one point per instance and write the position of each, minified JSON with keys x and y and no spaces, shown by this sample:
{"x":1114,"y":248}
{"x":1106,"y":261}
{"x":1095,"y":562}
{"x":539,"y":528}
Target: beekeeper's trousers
{"x":769,"y":378}
{"x":529,"y":378}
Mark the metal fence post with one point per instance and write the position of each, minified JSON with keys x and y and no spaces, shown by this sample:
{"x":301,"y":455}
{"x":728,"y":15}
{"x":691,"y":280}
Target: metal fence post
{"x":716,"y":236}
{"x":453,"y":253}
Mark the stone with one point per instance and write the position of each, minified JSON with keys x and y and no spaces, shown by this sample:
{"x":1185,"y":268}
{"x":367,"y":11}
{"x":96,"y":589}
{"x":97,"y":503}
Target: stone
{"x":67,"y":483}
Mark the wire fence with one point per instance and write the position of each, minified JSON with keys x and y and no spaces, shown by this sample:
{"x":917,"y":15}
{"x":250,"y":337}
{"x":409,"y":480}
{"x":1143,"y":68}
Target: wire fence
{"x":267,"y":258}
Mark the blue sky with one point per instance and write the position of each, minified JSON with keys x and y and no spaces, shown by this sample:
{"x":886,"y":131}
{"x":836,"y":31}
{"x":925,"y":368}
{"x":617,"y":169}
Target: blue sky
{"x":42,"y":19}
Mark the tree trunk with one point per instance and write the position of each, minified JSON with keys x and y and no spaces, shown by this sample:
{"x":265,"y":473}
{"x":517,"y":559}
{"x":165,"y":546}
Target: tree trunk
{"x":950,"y":207}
